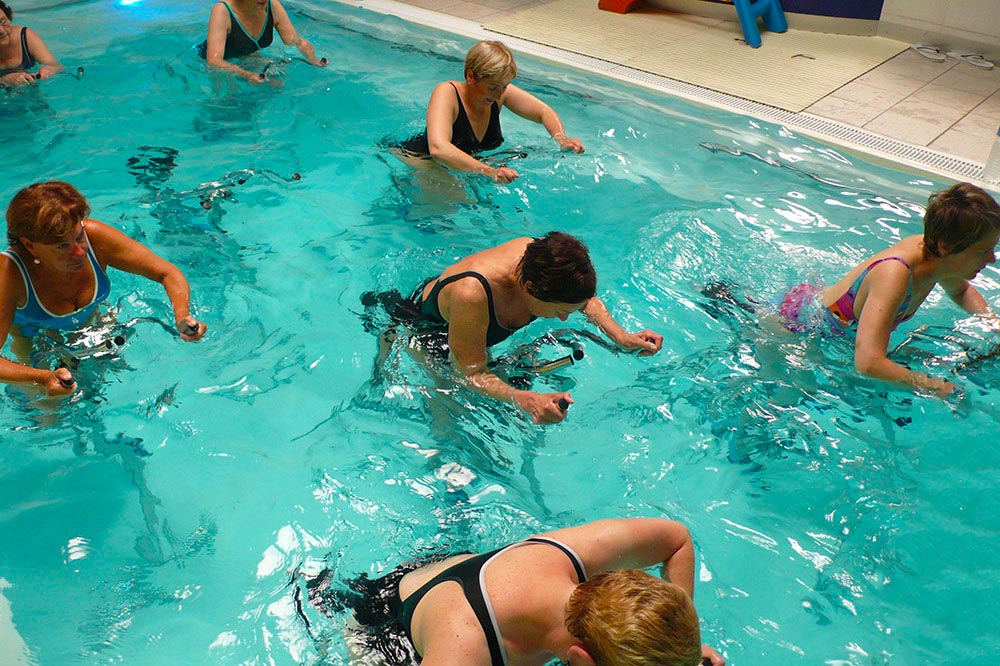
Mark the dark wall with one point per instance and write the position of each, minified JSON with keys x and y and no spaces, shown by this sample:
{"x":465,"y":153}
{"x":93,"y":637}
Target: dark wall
{"x":857,"y":9}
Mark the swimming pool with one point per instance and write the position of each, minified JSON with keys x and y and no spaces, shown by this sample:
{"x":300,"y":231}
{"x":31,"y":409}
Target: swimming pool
{"x":836,"y":521}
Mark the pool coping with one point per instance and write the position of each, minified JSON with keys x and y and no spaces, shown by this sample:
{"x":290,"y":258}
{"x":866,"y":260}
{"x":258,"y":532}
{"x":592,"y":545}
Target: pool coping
{"x":919,"y":160}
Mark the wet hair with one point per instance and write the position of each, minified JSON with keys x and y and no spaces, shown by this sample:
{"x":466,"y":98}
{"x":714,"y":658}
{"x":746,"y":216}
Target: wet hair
{"x":556,"y":269}
{"x":45,"y":212}
{"x":958,"y":217}
{"x":7,"y":10}
{"x":631,"y":618}
{"x":490,"y":60}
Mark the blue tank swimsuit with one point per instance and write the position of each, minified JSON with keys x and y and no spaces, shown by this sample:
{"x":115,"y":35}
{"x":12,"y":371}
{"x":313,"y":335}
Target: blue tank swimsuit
{"x":27,"y":60}
{"x":33,"y":316}
{"x":469,"y":573}
{"x":238,"y":41}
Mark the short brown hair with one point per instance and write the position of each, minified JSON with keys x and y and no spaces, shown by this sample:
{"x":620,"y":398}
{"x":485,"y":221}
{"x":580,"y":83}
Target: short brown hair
{"x":5,"y":8}
{"x":556,"y":268}
{"x":45,"y":212}
{"x":490,"y":60}
{"x":631,"y":618}
{"x":958,"y":217}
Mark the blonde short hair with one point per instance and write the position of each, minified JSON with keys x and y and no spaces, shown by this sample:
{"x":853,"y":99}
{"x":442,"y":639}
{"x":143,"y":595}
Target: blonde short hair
{"x":631,"y":618}
{"x":490,"y":60}
{"x":45,"y":212}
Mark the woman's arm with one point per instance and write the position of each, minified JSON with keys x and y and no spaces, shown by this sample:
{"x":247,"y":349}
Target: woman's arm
{"x":50,"y":66}
{"x":465,"y":307}
{"x":634,"y":543}
{"x":637,"y":543}
{"x":441,"y":113}
{"x":219,"y":25}
{"x":126,"y":254}
{"x":290,"y":37}
{"x":56,"y":382}
{"x":882,"y":293}
{"x":528,"y":106}
{"x":967,"y":297}
{"x":646,"y":341}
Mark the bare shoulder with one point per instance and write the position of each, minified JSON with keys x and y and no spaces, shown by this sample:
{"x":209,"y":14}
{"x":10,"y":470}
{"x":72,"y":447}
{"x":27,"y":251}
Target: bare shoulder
{"x":514,"y":248}
{"x":105,"y":240}
{"x":220,"y":12}
{"x":445,"y":92}
{"x":98,"y":232}
{"x":11,"y":281}
{"x":621,"y":543}
{"x":447,"y":632}
{"x":8,"y":270}
{"x":467,"y":292}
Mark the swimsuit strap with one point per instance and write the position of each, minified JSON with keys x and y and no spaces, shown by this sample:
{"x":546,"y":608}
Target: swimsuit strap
{"x":495,"y":331}
{"x":581,"y":570}
{"x":27,"y":59}
{"x":267,"y":19}
{"x":470,"y":574}
{"x":843,"y":307}
{"x":31,"y":301}
{"x":462,"y":120}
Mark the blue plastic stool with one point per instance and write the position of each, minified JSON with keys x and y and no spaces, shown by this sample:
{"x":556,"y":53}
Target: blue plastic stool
{"x":749,"y":10}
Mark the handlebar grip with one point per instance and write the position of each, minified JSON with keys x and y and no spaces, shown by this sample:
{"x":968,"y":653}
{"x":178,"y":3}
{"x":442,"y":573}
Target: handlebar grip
{"x":65,"y":383}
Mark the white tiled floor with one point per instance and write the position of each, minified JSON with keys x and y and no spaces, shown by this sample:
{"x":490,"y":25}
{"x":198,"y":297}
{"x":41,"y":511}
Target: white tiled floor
{"x":950,"y":106}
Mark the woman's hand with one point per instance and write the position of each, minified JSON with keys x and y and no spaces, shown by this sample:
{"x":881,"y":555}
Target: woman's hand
{"x":307,"y":51}
{"x":932,"y":385}
{"x":567,"y":143}
{"x":60,"y":382}
{"x":647,"y":342}
{"x":712,"y":656}
{"x":18,"y":79}
{"x":190,"y":329}
{"x":48,"y":71}
{"x":503,"y":175}
{"x":543,"y":408}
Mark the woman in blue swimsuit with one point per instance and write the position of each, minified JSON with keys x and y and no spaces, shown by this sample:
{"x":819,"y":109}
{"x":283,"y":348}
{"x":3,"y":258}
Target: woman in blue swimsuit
{"x":485,"y":297}
{"x":53,"y":276}
{"x":463,"y":117}
{"x":961,"y":232}
{"x":240,"y":27}
{"x":20,"y":50}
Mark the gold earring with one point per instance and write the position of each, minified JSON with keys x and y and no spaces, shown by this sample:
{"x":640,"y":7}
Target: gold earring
{"x":37,"y":260}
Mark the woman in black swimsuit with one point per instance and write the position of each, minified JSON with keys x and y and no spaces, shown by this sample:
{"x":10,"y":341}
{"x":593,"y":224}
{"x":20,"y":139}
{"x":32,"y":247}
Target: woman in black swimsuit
{"x":241,"y":27}
{"x":20,"y":50}
{"x":576,"y":594}
{"x":463,"y":117}
{"x":485,"y":297}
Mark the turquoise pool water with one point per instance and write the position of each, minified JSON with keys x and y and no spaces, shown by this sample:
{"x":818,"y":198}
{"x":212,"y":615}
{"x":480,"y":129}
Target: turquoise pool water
{"x":836,"y":522}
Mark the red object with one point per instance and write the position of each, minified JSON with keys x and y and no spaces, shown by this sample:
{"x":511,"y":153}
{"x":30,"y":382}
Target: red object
{"x":620,"y":6}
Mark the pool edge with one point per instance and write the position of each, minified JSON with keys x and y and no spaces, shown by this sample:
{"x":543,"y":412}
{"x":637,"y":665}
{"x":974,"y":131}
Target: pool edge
{"x":912,"y":158}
